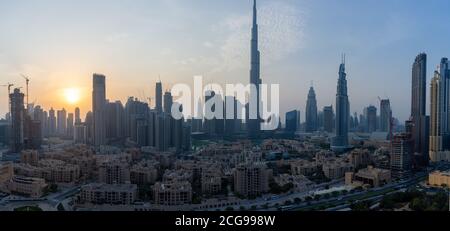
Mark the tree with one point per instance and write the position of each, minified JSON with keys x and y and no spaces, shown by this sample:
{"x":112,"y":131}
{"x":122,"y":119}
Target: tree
{"x":297,"y":200}
{"x":418,"y":204}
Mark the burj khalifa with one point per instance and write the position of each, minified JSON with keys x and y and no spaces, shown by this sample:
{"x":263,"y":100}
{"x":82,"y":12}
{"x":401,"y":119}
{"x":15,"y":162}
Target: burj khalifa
{"x":254,"y":125}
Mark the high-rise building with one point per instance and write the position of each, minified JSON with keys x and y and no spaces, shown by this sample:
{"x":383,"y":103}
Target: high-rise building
{"x":385,"y":115}
{"x":401,"y":155}
{"x":89,"y":123}
{"x":254,"y":125}
{"x":311,"y":111}
{"x":70,"y":125}
{"x":251,"y":179}
{"x":230,"y":121}
{"x":439,"y":150}
{"x":293,"y":121}
{"x":98,"y":109}
{"x":418,"y":107}
{"x":80,"y":134}
{"x":52,"y":122}
{"x":61,"y":122}
{"x":168,"y":102}
{"x":371,"y":118}
{"x":444,"y":102}
{"x":17,"y":121}
{"x":159,"y":97}
{"x":328,"y":119}
{"x":115,"y":120}
{"x":4,"y":132}
{"x":77,"y":116}
{"x":340,"y":142}
{"x":435,"y":128}
{"x":210,"y":124}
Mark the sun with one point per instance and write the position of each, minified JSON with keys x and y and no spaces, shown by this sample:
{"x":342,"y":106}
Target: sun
{"x":72,"y":95}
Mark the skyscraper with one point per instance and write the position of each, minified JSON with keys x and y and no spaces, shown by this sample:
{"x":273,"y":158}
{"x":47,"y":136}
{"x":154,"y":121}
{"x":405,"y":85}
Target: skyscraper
{"x":61,"y":124}
{"x":70,"y":125}
{"x":371,"y":118}
{"x":292,"y":121}
{"x":439,"y":147}
{"x":98,"y":109}
{"x":435,"y":127}
{"x":311,"y":111}
{"x":340,"y":142}
{"x":159,"y":97}
{"x":51,"y":122}
{"x":401,"y":155}
{"x":444,"y":104}
{"x":77,"y":116}
{"x":17,"y":120}
{"x":168,"y":102}
{"x":254,"y":125}
{"x":328,"y":119}
{"x":418,"y":106}
{"x":385,"y":115}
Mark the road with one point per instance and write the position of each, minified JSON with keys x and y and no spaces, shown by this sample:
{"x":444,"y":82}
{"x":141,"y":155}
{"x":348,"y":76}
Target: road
{"x":48,"y":203}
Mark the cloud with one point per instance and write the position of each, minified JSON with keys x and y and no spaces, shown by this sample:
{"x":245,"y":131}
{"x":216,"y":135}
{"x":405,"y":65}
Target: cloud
{"x":281,"y":30}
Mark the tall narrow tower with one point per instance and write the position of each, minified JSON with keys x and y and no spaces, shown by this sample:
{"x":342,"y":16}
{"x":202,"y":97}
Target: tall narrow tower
{"x":311,"y":111}
{"x":340,"y":142}
{"x":254,"y":125}
{"x":98,"y":109}
{"x":420,"y":133}
{"x":159,"y":97}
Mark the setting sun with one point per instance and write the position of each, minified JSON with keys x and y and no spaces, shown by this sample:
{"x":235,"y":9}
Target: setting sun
{"x":72,"y":95}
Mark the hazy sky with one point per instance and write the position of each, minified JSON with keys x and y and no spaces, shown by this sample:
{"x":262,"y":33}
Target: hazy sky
{"x":60,"y":43}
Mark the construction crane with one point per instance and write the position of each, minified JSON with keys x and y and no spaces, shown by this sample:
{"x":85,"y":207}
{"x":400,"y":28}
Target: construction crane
{"x":27,"y":80}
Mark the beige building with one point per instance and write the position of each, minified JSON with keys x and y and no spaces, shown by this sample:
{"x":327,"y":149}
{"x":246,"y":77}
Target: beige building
{"x":30,"y":157}
{"x":439,"y":178}
{"x":336,"y":169}
{"x":374,"y":177}
{"x":251,"y":179}
{"x":172,"y":193}
{"x":211,"y":181}
{"x":6,"y":172}
{"x":114,"y":172}
{"x":304,"y":167}
{"x":56,"y":171}
{"x":360,"y":158}
{"x":99,"y":193}
{"x":143,"y":173}
{"x":28,"y":186}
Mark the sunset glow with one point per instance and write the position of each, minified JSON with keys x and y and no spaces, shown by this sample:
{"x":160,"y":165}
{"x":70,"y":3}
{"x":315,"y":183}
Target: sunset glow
{"x":72,"y":95}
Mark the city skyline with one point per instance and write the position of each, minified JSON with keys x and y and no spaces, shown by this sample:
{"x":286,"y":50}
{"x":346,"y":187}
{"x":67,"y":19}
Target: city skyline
{"x":88,"y":149}
{"x":298,"y":59}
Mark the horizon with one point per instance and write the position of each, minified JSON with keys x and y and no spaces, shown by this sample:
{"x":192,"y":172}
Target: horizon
{"x":60,"y":48}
